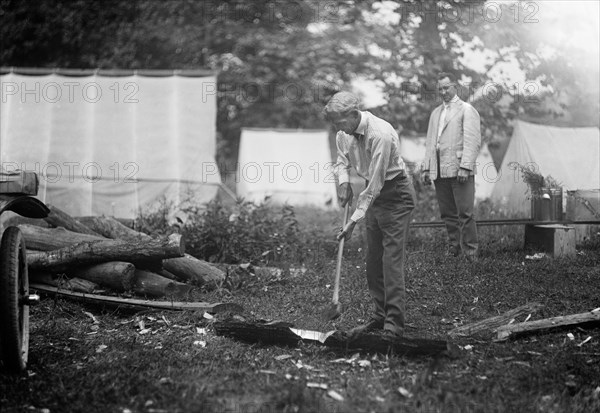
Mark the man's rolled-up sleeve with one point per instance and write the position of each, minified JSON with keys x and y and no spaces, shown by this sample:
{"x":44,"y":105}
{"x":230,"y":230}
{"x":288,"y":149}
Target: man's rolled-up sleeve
{"x":381,"y":147}
{"x":342,"y":165}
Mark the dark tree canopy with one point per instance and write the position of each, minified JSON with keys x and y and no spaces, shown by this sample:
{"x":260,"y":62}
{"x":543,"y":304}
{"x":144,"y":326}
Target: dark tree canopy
{"x":279,"y":61}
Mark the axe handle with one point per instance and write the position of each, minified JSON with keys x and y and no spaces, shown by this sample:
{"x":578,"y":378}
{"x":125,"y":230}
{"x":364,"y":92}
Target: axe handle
{"x":338,"y":267}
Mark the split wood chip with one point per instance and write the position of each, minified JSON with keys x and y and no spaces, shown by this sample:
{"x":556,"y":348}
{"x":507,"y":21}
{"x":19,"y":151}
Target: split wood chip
{"x":335,"y":395}
{"x":584,"y":341}
{"x":322,"y":386}
{"x":404,"y":393}
{"x":282,"y":357}
{"x":94,"y":320}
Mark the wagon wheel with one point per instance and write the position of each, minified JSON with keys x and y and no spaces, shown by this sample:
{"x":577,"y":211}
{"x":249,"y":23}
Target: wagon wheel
{"x":14,"y":301}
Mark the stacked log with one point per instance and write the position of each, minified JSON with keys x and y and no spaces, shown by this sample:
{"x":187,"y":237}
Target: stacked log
{"x":100,"y":252}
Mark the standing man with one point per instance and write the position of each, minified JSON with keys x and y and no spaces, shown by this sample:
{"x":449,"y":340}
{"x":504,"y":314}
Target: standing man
{"x":371,"y":146}
{"x":453,"y":143}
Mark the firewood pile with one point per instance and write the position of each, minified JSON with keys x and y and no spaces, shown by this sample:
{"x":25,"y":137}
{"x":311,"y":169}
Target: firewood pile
{"x":91,"y":254}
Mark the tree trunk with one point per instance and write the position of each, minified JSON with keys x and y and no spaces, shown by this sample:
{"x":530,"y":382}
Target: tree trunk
{"x":194,"y":271}
{"x":548,"y":323}
{"x":149,"y":284}
{"x":95,"y":252}
{"x":116,"y":275}
{"x":49,"y":239}
{"x":59,"y":218}
{"x":17,"y":220}
{"x":186,"y":268}
{"x":71,"y":284}
{"x":167,"y":274}
{"x":487,"y":326}
{"x":111,"y":228}
{"x":282,"y":334}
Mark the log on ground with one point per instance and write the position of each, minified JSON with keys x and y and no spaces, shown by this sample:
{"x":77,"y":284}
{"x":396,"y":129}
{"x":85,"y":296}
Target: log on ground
{"x":191,"y":269}
{"x":71,"y":284}
{"x":111,"y":228}
{"x":49,"y":239}
{"x":187,"y":268}
{"x":506,"y":331}
{"x":149,"y":284}
{"x":400,"y":346}
{"x":16,"y":220}
{"x":87,"y":253}
{"x":488,"y":326}
{"x":116,"y":275}
{"x":59,"y":218}
{"x":282,"y":334}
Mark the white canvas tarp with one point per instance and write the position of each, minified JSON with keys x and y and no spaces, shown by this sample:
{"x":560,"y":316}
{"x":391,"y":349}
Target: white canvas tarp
{"x":286,"y":166}
{"x":111,"y":144}
{"x":570,"y":155}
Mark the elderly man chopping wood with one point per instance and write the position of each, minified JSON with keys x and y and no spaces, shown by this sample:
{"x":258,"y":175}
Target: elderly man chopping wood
{"x":371,"y":146}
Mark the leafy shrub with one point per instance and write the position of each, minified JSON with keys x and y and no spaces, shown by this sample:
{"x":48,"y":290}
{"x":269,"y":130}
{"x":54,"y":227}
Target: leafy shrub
{"x":154,"y":220}
{"x":244,"y":232}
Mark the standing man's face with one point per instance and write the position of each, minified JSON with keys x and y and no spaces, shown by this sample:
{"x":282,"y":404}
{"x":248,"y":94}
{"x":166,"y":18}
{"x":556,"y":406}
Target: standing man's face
{"x":345,"y":122}
{"x":446,"y":89}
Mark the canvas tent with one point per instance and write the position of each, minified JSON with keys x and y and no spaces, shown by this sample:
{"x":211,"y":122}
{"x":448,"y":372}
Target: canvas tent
{"x":570,"y":155}
{"x":108,"y":142}
{"x":412,"y":151}
{"x":286,"y":166}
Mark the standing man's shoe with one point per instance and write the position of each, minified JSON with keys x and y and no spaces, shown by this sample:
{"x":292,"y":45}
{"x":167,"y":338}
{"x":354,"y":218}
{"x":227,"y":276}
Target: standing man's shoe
{"x":472,"y":257}
{"x":453,"y":252}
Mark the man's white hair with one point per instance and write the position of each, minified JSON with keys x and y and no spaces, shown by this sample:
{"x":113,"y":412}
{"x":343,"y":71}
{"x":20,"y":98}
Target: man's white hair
{"x":341,"y":103}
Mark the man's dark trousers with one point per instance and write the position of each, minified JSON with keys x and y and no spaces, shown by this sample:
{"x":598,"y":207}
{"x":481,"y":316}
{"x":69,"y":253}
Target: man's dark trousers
{"x":456,"y":209}
{"x":387,"y":222}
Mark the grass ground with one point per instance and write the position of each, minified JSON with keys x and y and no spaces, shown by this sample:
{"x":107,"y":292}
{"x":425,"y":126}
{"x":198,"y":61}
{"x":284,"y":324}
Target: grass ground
{"x":89,"y":359}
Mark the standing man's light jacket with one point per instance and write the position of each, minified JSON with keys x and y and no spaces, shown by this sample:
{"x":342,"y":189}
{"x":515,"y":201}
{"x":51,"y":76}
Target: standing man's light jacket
{"x":375,"y":156}
{"x":459,"y":142}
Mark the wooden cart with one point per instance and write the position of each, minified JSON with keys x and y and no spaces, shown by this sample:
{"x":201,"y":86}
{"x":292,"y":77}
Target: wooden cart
{"x":14,"y":283}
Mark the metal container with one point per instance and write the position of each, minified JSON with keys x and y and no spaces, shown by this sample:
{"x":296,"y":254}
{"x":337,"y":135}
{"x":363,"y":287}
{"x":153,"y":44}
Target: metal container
{"x":540,"y":206}
{"x":556,"y":204}
{"x":548,"y":205}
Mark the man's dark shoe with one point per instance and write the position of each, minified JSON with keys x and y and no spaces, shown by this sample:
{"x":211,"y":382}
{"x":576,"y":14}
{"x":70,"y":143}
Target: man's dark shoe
{"x":392,"y":335}
{"x":371,"y":325}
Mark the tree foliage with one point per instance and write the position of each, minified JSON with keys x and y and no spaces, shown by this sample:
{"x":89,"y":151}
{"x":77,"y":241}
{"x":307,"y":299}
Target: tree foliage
{"x":279,"y":61}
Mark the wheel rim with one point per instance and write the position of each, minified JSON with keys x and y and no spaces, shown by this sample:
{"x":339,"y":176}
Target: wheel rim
{"x":23,"y":309}
{"x":14,"y":294}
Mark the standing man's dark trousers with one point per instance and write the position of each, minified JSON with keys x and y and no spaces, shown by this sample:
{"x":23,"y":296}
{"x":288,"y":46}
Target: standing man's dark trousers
{"x":456,"y":202}
{"x":387,"y":222}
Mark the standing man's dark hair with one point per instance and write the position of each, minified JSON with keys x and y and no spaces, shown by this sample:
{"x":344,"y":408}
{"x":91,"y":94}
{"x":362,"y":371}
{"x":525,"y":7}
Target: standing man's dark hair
{"x":448,"y":75}
{"x":453,"y":143}
{"x":371,"y":146}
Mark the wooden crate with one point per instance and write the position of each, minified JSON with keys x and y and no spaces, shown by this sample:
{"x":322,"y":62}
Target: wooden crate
{"x":554,"y":239}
